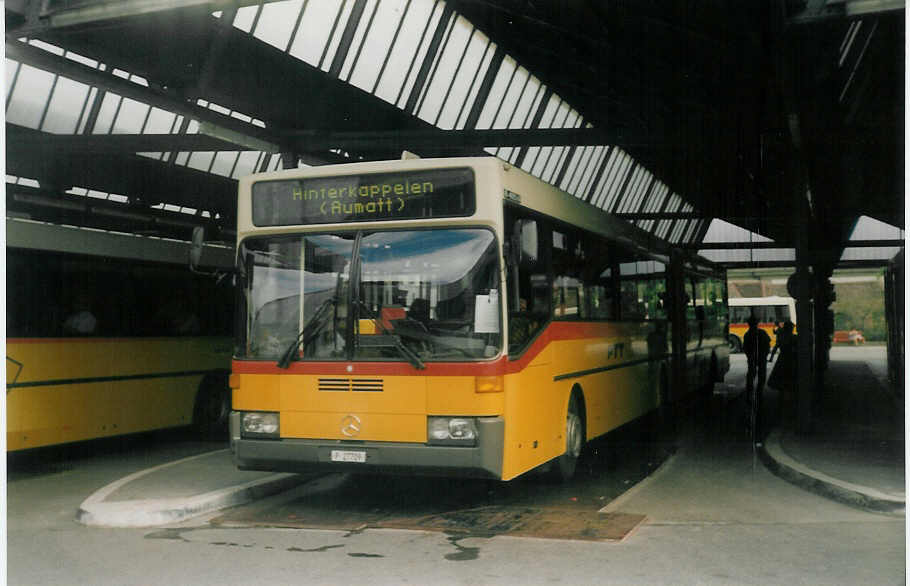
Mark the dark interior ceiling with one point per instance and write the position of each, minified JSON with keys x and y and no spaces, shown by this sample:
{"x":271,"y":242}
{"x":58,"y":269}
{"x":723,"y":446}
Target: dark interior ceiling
{"x":741,"y":107}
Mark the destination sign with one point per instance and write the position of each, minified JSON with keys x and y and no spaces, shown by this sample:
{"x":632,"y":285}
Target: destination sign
{"x":434,"y":193}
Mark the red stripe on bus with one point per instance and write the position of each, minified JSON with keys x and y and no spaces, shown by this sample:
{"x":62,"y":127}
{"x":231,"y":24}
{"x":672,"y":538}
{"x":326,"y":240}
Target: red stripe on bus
{"x":556,"y":331}
{"x":97,"y":340}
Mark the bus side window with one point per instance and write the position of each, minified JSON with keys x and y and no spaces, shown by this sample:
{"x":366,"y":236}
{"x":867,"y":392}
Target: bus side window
{"x":528,"y":282}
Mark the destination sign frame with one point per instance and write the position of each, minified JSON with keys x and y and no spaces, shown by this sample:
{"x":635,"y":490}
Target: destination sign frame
{"x":402,"y":195}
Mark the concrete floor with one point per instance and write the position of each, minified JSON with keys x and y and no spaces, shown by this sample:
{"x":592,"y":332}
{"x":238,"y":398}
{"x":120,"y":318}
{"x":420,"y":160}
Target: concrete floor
{"x":715,"y":515}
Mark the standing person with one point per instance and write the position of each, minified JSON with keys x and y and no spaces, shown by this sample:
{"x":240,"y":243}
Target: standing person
{"x":756,"y":345}
{"x":778,"y":328}
{"x":784,"y":374}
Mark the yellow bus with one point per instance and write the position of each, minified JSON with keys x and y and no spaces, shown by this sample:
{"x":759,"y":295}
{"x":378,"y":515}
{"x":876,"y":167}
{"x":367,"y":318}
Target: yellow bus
{"x":771,"y":312}
{"x":453,"y":317}
{"x":110,"y":334}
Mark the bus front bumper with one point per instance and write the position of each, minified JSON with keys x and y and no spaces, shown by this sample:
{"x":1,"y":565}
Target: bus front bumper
{"x":484,"y":460}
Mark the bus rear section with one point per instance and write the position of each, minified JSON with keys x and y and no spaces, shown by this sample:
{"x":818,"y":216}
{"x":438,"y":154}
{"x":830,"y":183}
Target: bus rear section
{"x":109,"y":334}
{"x":771,"y":312}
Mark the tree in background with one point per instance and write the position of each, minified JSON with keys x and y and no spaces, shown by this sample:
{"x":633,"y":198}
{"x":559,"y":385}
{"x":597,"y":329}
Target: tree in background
{"x":861,"y":306}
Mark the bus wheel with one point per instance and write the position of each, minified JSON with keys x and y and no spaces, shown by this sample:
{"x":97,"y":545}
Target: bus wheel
{"x":735,"y":345}
{"x":563,"y":467}
{"x":213,"y":406}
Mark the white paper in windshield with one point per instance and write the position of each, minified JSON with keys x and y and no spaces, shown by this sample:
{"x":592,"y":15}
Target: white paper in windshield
{"x":486,"y":313}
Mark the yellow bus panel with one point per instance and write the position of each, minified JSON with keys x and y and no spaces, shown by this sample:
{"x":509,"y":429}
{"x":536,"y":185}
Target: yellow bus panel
{"x":73,"y":389}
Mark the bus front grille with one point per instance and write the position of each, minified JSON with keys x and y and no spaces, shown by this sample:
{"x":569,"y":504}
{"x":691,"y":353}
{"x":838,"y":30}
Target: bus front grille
{"x":347,"y":384}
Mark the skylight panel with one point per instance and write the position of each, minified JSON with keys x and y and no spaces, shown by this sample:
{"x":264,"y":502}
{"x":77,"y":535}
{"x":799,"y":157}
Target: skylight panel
{"x":131,"y":117}
{"x":246,"y":164}
{"x":867,"y":228}
{"x":618,"y":171}
{"x":479,"y":68}
{"x":201,"y":160}
{"x":633,"y":190}
{"x":597,"y":162}
{"x":31,"y":92}
{"x":692,"y":231}
{"x":12,"y":70}
{"x":447,"y":70}
{"x":335,"y":35}
{"x":245,"y":18}
{"x":276,"y":22}
{"x":848,"y":41}
{"x":492,"y":115}
{"x":722,"y":231}
{"x":81,"y":59}
{"x":46,"y":47}
{"x":364,"y":24}
{"x":28,"y":182}
{"x":223,"y":163}
{"x":106,"y":114}
{"x":462,"y":83}
{"x":578,"y":172}
{"x":658,"y":196}
{"x":407,"y":52}
{"x":313,"y":34}
{"x":676,"y":231}
{"x":160,"y":121}
{"x":65,"y":106}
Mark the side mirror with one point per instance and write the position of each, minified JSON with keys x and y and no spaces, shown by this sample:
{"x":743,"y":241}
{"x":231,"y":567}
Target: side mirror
{"x":195,"y":256}
{"x":528,"y":242}
{"x":196,"y":248}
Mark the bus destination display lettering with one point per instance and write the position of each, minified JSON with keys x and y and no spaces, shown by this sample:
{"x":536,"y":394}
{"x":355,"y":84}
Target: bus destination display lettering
{"x":363,"y":198}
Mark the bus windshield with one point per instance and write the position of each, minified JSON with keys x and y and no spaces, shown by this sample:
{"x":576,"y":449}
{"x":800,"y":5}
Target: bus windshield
{"x":402,"y":295}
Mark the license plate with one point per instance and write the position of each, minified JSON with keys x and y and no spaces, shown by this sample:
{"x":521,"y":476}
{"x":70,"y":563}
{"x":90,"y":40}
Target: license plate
{"x":348,"y":456}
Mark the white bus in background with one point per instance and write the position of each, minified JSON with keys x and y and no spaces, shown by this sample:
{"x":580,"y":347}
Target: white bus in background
{"x":771,"y":312}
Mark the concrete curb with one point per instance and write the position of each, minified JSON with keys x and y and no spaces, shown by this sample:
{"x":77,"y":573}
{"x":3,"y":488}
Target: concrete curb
{"x":95,"y":511}
{"x":863,"y":497}
{"x":614,"y":505}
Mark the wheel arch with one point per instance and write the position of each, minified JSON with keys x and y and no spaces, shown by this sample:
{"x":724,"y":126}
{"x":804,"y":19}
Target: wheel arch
{"x":212,"y":403}
{"x":577,"y":394}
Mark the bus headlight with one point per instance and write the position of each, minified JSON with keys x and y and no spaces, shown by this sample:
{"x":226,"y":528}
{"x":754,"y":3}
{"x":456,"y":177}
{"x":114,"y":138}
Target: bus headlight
{"x":451,"y":431}
{"x":259,"y":424}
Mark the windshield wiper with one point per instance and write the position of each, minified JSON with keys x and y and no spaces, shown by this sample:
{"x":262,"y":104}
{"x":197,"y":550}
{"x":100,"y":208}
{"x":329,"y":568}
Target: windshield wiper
{"x":391,"y":341}
{"x":306,"y":334}
{"x":386,"y":339}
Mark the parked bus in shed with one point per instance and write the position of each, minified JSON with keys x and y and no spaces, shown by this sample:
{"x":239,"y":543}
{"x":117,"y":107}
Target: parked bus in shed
{"x":771,"y":312}
{"x":109,"y":334}
{"x":455,"y":317}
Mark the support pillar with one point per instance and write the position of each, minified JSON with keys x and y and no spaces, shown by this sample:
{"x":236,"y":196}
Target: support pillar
{"x":801,"y":290}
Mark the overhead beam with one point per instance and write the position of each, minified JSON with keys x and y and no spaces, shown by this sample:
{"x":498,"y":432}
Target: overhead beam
{"x":463,"y":140}
{"x":847,"y":264}
{"x":49,"y":16}
{"x":779,"y":245}
{"x":823,"y":10}
{"x":213,"y":139}
{"x":43,"y":142}
{"x":41,"y":59}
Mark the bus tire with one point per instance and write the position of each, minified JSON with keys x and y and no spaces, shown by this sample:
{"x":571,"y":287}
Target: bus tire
{"x":563,"y":467}
{"x":736,"y":346}
{"x":212,"y":409}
